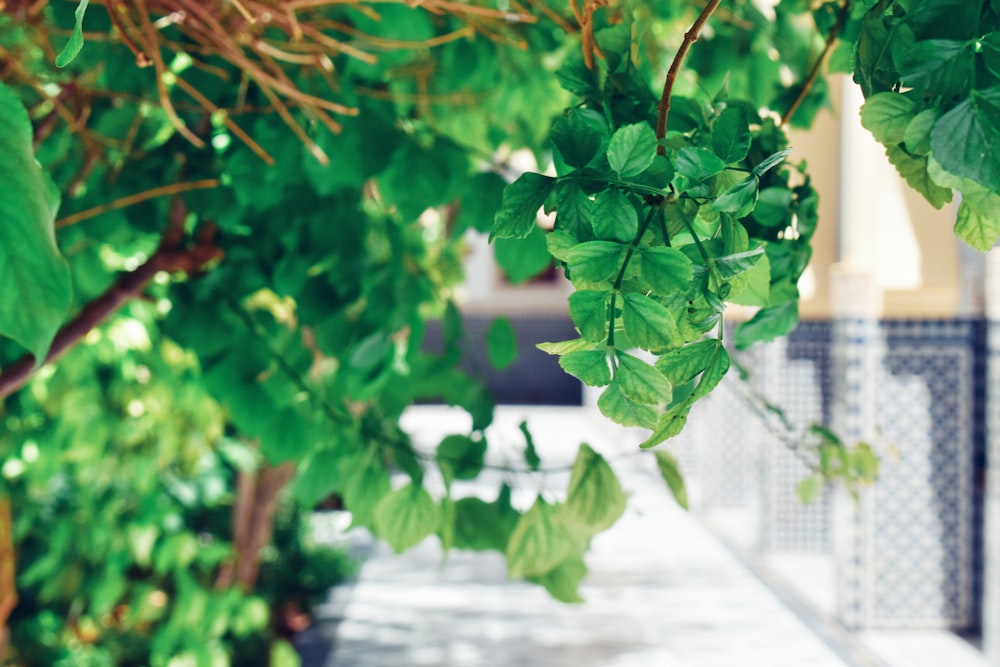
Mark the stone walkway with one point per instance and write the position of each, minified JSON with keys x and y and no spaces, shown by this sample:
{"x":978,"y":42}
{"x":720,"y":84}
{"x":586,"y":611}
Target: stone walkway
{"x":662,"y":592}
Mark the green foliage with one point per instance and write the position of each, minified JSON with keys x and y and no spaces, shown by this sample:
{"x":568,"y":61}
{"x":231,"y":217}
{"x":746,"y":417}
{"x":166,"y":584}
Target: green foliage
{"x":302,"y":341}
{"x":37,"y":290}
{"x":928,"y":71}
{"x":658,"y":234}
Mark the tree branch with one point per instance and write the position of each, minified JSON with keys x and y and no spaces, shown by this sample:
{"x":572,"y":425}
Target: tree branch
{"x":810,"y":80}
{"x":663,"y":108}
{"x":171,"y":256}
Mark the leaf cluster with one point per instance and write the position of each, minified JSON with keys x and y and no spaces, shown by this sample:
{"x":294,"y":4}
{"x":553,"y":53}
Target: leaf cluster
{"x":930,"y":72}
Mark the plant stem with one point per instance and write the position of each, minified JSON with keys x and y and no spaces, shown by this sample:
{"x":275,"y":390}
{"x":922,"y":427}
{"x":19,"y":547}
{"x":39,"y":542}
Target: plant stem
{"x":137,"y":198}
{"x":810,"y":80}
{"x":621,"y":274}
{"x":663,"y":108}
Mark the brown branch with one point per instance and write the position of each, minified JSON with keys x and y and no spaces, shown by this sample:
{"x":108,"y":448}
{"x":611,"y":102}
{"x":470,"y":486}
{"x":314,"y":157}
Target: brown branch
{"x":253,"y":522}
{"x":137,"y":198}
{"x":171,"y":257}
{"x":8,"y":579}
{"x":663,"y":108}
{"x":810,"y":80}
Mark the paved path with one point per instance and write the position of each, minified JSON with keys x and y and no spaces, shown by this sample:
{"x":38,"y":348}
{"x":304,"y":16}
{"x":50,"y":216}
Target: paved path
{"x":661,"y":592}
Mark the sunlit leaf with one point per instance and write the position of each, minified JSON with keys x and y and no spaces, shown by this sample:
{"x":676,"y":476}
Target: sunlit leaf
{"x":595,"y":261}
{"x":649,"y":324}
{"x":640,"y":381}
{"x":589,"y":310}
{"x":670,"y":470}
{"x":668,"y":270}
{"x":619,"y":408}
{"x":594,"y":499}
{"x":406,"y":516}
{"x":886,"y":116}
{"x":589,"y":366}
{"x":538,"y":543}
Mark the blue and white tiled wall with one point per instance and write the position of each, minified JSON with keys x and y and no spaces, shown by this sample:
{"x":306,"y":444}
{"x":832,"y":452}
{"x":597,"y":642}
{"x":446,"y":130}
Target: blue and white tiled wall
{"x":910,"y":549}
{"x":908,"y":554}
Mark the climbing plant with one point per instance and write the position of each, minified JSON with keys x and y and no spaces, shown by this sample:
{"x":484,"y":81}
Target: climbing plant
{"x":272,"y":198}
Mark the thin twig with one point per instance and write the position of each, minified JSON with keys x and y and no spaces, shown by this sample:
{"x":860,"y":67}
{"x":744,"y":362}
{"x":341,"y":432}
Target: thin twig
{"x":137,"y":198}
{"x":807,"y":85}
{"x":663,"y":108}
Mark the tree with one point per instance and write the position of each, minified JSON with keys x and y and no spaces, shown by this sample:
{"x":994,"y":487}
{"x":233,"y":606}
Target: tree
{"x":264,"y":202}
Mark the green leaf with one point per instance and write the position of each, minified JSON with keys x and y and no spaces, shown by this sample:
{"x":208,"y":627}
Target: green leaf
{"x":991,"y":52}
{"x":521,"y":201}
{"x":966,"y":140}
{"x":589,"y":311}
{"x":461,"y":457}
{"x":566,"y":346}
{"x":563,"y":581}
{"x":944,"y":66}
{"x":917,"y":137}
{"x":366,"y":485}
{"x":737,"y":263}
{"x":731,"y":135}
{"x":774,"y":207}
{"x":641,"y":382}
{"x":282,"y":654}
{"x":530,"y":453}
{"x":698,"y":164}
{"x":538,"y":543}
{"x":768,"y":324}
{"x":614,"y":217}
{"x":501,"y":343}
{"x":75,"y":44}
{"x":716,"y":370}
{"x":523,"y":258}
{"x":685,"y":363}
{"x":406,"y":516}
{"x":286,"y":435}
{"x":574,"y":213}
{"x":811,"y":488}
{"x":36,"y":291}
{"x":667,"y":270}
{"x":317,"y":478}
{"x":752,"y":288}
{"x":914,"y":170}
{"x":632,"y":149}
{"x":771,"y":161}
{"x":670,"y":424}
{"x":886,"y":116}
{"x":578,"y":137}
{"x":740,"y":199}
{"x":595,"y":261}
{"x":649,"y":325}
{"x":978,"y":222}
{"x":619,"y":408}
{"x":482,"y":526}
{"x":865,"y":463}
{"x":559,"y":243}
{"x":589,"y":366}
{"x":594,"y":499}
{"x":670,"y":470}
